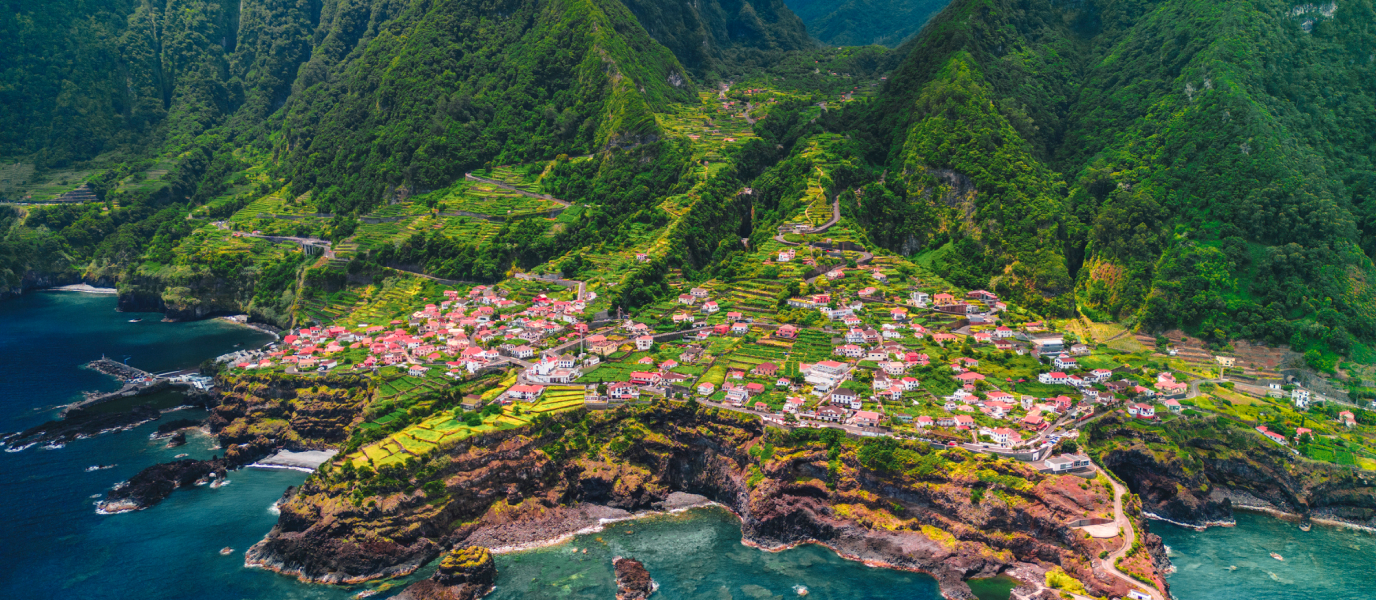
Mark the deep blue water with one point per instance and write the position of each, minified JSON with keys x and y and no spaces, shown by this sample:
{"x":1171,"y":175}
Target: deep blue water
{"x":54,"y":545}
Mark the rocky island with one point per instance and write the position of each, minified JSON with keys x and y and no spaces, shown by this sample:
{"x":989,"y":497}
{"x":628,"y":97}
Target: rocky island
{"x":632,"y":579}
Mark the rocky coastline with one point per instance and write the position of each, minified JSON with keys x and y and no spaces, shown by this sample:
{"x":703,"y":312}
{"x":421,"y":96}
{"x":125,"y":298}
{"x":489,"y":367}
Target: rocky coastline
{"x":79,"y":423}
{"x":1225,"y":470}
{"x":504,"y":490}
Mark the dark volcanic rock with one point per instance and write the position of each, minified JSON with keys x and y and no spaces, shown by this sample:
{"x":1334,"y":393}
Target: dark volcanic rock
{"x":150,"y":486}
{"x":1224,"y":465}
{"x":464,"y":574}
{"x":81,"y":422}
{"x":632,"y":579}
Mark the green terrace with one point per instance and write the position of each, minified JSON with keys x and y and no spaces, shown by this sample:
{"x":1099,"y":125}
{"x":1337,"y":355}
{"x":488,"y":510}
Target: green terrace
{"x":448,"y":428}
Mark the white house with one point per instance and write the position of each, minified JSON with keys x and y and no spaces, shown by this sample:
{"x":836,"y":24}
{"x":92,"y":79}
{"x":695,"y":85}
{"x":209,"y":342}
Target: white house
{"x":1053,"y":378}
{"x":1300,"y":396}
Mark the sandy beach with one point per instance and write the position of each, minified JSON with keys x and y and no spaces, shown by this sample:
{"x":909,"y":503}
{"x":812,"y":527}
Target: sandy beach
{"x":83,"y":288}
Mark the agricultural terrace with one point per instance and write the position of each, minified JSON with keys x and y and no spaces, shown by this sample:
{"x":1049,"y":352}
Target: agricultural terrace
{"x":448,"y":428}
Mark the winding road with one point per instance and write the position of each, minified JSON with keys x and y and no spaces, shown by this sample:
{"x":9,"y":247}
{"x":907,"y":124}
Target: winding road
{"x":1124,"y":524}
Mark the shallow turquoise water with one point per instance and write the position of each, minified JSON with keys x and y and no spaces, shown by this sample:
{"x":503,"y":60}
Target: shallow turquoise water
{"x":1331,"y":563}
{"x":697,"y":555}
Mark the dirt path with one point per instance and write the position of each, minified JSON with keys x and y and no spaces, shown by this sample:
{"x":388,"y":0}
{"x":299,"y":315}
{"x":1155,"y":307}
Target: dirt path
{"x":509,"y":187}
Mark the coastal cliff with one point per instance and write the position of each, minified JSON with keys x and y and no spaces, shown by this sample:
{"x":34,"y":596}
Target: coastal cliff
{"x":464,"y":574}
{"x":1197,"y":472}
{"x":952,"y":514}
{"x":255,"y":416}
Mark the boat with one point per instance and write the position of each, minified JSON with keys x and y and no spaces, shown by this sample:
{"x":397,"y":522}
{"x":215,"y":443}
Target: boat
{"x":226,"y":551}
{"x":1276,"y":556}
{"x":135,"y":320}
{"x":182,"y":455}
{"x":1305,"y":526}
{"x":99,"y":468}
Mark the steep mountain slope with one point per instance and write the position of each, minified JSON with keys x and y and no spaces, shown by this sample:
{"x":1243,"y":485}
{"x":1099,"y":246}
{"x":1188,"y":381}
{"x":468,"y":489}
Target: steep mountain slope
{"x":85,"y":77}
{"x":864,"y":22}
{"x":720,"y":38}
{"x":445,"y":86}
{"x":1170,"y":156}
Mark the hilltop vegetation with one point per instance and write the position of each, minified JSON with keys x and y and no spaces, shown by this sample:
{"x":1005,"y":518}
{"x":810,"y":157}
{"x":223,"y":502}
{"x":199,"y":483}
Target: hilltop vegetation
{"x":1165,"y":157}
{"x":1163,"y":164}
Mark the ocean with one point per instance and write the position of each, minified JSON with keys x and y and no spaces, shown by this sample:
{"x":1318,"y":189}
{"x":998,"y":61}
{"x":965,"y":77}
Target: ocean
{"x":54,"y":545}
{"x":1235,"y":563}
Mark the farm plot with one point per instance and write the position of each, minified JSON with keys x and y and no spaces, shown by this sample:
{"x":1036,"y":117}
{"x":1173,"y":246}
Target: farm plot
{"x":811,"y":346}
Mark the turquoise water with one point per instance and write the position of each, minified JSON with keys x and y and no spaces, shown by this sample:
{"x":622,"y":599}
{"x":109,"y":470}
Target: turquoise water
{"x":1332,"y":563}
{"x":697,"y":555}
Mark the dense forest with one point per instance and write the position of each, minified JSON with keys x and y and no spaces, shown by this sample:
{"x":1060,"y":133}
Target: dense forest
{"x":1177,"y":163}
{"x":1165,"y":163}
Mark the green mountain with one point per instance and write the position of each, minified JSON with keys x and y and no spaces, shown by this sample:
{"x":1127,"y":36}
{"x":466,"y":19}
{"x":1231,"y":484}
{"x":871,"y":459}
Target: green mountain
{"x":443,"y":87}
{"x":720,"y":38}
{"x":1183,"y":163}
{"x":865,"y":22}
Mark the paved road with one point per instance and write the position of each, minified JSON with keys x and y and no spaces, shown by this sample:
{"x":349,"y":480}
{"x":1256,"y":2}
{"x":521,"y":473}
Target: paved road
{"x":1124,"y":524}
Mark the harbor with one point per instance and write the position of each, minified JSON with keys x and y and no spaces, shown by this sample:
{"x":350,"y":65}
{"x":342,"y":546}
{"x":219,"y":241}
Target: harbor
{"x":138,"y":382}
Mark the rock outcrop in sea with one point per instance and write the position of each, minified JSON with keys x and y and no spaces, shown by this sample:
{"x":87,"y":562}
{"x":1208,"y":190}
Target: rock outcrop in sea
{"x":632,"y":579}
{"x":465,"y":573}
{"x":153,"y":484}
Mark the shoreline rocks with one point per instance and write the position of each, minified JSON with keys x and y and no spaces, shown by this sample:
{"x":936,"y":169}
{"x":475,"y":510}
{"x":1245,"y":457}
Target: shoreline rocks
{"x":465,"y":573}
{"x":502,"y":490}
{"x":154,"y":484}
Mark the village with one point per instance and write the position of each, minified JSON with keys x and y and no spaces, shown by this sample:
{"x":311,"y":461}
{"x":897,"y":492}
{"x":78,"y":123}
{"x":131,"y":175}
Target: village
{"x":947,"y":367}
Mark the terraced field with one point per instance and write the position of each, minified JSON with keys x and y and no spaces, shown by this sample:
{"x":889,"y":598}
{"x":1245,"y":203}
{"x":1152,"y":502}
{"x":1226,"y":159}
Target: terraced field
{"x":444,"y":429}
{"x":328,"y":309}
{"x":812,"y":346}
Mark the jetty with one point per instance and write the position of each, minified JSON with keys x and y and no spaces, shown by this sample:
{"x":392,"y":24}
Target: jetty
{"x":120,"y":371}
{"x":137,"y":382}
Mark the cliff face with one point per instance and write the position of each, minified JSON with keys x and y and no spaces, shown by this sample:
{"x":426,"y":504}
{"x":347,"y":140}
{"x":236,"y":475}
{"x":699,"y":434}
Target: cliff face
{"x":297,"y":413}
{"x":949,"y":513}
{"x":1197,"y":478}
{"x":184,"y":296}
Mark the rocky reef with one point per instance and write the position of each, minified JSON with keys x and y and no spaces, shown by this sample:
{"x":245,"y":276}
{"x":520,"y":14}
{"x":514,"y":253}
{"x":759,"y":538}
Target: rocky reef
{"x":1198,"y":471}
{"x":950,"y":513}
{"x":80,"y":423}
{"x":632,"y":579}
{"x":255,"y":416}
{"x":464,"y":574}
{"x":153,"y":484}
